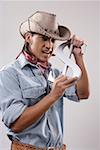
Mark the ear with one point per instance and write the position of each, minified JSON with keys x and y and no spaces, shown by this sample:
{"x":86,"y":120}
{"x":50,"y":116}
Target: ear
{"x":28,"y":37}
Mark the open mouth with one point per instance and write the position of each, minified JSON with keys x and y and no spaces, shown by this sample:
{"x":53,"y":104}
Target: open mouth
{"x":47,"y":52}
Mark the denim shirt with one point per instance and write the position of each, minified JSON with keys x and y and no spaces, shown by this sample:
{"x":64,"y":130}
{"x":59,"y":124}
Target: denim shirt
{"x":22,"y":85}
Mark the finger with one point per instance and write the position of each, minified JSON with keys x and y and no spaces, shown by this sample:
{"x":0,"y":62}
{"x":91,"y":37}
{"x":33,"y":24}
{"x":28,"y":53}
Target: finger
{"x":68,"y":85}
{"x":76,"y":41}
{"x":80,"y":43}
{"x":61,"y":78}
{"x":69,"y":81}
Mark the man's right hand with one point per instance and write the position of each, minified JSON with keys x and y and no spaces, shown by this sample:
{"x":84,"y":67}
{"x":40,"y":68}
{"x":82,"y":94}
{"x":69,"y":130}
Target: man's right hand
{"x":60,"y":84}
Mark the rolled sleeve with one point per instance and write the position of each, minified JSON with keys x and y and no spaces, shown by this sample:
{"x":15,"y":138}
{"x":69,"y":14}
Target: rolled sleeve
{"x":11,"y":103}
{"x":71,"y":94}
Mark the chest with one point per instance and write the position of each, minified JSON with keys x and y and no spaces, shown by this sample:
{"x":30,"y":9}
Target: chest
{"x":33,"y":85}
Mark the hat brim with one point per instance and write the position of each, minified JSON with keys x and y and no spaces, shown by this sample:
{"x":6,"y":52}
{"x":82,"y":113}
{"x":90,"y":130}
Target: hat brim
{"x":62,"y":34}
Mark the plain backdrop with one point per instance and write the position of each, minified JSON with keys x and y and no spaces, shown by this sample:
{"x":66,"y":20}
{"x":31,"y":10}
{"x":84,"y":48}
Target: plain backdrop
{"x":81,"y":120}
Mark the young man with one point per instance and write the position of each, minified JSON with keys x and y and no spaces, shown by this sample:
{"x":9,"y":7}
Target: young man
{"x":32,"y":107}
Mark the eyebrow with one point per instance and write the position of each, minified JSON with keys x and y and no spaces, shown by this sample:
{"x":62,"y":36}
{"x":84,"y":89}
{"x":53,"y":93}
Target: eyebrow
{"x":43,"y":36}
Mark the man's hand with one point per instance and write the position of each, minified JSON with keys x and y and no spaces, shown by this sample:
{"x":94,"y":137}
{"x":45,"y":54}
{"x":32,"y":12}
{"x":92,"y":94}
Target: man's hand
{"x":60,"y":84}
{"x":77,"y":44}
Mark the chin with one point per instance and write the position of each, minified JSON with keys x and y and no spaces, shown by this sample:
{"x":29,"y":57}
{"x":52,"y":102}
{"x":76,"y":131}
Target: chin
{"x":44,"y":59}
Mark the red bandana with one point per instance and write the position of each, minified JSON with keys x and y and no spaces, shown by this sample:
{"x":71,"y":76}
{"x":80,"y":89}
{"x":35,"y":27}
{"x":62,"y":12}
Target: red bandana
{"x":32,"y":59}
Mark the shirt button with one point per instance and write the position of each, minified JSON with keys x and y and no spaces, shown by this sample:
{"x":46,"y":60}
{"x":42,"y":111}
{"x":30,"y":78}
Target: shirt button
{"x":42,"y":90}
{"x":39,"y":73}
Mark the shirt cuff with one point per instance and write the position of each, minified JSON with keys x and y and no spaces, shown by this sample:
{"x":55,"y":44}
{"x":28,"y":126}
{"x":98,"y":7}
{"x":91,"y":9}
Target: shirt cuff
{"x":71,"y":94}
{"x":12,"y":113}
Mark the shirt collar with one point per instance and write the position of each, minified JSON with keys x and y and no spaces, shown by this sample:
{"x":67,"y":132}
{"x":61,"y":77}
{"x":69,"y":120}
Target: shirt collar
{"x":23,"y":62}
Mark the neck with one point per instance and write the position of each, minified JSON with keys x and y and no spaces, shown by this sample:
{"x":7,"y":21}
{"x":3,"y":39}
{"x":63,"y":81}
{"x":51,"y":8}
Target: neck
{"x":27,"y":49}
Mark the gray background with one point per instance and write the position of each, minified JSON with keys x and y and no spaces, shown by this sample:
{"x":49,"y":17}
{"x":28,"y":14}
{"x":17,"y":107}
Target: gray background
{"x":81,"y":120}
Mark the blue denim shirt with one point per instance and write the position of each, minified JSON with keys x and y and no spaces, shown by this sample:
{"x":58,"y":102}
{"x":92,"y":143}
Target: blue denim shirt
{"x":21,"y":87}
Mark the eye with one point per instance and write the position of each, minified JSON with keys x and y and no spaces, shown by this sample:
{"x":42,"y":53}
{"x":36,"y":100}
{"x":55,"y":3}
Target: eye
{"x":45,"y":38}
{"x":53,"y":40}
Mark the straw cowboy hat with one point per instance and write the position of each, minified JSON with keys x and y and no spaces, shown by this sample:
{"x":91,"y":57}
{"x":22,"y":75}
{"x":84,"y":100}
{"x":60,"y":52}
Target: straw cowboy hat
{"x":45,"y":23}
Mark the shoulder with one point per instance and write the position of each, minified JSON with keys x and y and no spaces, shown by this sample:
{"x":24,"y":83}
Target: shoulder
{"x":9,"y":69}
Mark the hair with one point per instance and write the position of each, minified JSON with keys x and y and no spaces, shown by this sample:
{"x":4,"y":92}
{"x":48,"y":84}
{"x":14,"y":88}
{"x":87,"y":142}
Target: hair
{"x":26,"y":45}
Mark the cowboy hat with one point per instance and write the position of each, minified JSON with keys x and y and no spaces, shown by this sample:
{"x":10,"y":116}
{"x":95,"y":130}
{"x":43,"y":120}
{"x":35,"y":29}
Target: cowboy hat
{"x":45,"y":23}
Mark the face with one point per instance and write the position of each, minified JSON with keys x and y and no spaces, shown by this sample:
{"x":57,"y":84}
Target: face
{"x":41,"y":46}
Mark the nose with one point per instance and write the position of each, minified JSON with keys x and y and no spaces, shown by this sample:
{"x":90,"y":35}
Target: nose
{"x":49,"y":44}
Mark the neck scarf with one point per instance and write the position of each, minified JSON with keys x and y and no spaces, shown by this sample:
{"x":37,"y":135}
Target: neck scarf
{"x":44,"y":66}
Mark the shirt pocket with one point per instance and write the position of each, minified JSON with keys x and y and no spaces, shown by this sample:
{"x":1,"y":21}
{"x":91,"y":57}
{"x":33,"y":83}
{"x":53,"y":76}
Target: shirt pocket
{"x":33,"y":92}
